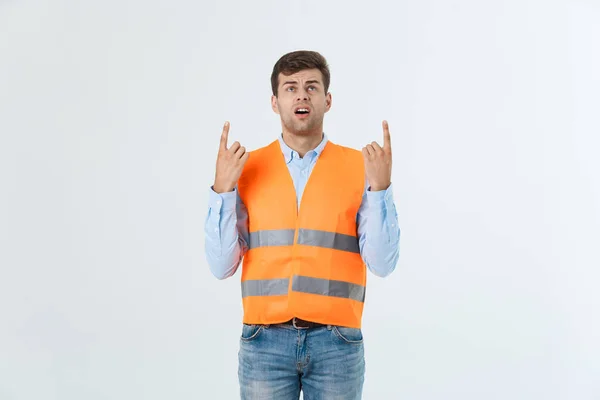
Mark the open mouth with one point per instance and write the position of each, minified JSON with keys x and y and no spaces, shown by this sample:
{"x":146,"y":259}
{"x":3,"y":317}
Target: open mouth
{"x":302,"y":112}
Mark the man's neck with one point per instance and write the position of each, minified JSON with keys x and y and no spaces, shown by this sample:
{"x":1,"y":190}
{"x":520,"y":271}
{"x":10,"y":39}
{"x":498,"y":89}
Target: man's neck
{"x":302,"y":143}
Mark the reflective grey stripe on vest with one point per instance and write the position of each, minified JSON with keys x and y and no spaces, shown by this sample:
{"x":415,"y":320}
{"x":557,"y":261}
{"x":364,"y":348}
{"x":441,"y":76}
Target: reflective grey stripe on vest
{"x":327,"y":287}
{"x":330,"y":240}
{"x":265,"y":287}
{"x":308,"y":237}
{"x":276,"y":237}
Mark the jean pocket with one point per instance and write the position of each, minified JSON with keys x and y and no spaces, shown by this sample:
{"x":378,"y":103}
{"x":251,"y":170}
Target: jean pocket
{"x":348,"y":335}
{"x":250,"y":332}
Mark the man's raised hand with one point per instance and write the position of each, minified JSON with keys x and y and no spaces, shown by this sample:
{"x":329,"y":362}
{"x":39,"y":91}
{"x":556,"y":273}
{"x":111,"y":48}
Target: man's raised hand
{"x":378,"y":161}
{"x":230,"y":163}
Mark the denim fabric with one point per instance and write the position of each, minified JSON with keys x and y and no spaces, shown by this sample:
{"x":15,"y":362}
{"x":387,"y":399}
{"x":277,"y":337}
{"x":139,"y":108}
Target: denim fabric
{"x":276,"y":362}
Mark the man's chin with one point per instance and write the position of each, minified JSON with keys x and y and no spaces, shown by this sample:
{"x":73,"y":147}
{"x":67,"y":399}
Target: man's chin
{"x":303,"y":129}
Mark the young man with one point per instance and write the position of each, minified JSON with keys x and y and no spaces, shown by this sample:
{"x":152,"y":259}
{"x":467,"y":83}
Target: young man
{"x":308,"y":218}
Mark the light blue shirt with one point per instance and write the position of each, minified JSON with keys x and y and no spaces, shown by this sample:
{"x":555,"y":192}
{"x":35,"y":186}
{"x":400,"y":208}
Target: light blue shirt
{"x":226,"y":225}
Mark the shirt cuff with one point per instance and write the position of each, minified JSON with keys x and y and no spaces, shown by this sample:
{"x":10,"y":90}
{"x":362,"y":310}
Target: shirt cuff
{"x":222,"y":201}
{"x":381,"y":197}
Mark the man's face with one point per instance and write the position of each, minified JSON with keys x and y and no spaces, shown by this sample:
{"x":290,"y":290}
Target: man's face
{"x":302,"y":102}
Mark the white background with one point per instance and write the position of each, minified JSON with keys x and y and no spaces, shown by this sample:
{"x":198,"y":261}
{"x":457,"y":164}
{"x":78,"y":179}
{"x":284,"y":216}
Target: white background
{"x":110,"y":116}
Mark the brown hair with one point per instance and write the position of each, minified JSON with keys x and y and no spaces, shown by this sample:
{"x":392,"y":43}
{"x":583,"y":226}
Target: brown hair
{"x":296,"y":61}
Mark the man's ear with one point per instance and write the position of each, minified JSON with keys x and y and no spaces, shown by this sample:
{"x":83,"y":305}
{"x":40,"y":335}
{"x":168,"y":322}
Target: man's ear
{"x":327,"y":102}
{"x":274,"y":104}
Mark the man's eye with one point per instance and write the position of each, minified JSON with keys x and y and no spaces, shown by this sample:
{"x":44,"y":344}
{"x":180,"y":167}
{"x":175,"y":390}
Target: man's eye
{"x":290,"y":88}
{"x":312,"y":87}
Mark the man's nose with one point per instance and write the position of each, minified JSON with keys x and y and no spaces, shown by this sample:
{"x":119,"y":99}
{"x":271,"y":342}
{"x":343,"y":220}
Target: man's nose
{"x":302,"y":94}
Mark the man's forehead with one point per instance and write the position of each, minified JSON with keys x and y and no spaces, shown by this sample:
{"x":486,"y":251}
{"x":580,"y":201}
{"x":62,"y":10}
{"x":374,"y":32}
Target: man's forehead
{"x":301,"y":76}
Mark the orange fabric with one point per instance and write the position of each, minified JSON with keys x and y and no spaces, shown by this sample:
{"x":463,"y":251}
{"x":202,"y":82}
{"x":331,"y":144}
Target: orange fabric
{"x":330,"y":203}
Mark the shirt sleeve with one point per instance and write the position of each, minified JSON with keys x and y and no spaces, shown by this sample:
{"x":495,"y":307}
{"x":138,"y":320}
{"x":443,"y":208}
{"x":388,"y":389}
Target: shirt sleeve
{"x":378,"y":231}
{"x":226,"y":233}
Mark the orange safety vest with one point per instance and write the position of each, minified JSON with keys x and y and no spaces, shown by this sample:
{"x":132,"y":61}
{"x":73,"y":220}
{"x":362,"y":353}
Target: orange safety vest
{"x":303,"y":263}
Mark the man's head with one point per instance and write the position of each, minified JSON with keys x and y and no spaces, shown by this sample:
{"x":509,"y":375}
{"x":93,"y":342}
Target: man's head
{"x":300,"y":84}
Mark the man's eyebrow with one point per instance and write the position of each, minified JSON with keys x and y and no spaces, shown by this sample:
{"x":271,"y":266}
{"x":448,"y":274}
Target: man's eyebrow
{"x":295,"y":82}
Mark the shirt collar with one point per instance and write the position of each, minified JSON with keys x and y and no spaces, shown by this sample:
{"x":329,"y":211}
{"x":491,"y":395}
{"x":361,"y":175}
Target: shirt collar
{"x":289,"y":154}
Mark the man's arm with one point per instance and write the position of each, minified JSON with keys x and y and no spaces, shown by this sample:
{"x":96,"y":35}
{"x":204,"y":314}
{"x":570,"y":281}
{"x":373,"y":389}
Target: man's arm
{"x":226,"y":225}
{"x":378,"y":231}
{"x":226,"y":233}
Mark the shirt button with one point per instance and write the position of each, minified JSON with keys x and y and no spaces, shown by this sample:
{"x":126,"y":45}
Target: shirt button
{"x":218,"y":202}
{"x":216,"y":229}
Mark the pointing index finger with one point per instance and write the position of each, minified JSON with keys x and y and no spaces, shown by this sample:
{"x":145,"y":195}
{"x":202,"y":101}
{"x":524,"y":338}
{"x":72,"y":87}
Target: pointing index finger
{"x":387,"y":140}
{"x":224,"y":136}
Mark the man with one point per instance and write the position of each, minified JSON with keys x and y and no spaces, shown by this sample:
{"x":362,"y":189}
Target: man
{"x":308,"y":218}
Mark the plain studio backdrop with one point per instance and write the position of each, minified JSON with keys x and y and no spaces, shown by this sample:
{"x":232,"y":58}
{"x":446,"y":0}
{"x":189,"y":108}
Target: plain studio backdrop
{"x":110,"y":117}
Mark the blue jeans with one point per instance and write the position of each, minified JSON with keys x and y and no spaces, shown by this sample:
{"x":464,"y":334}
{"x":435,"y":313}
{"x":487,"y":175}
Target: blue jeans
{"x":276,"y":362}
